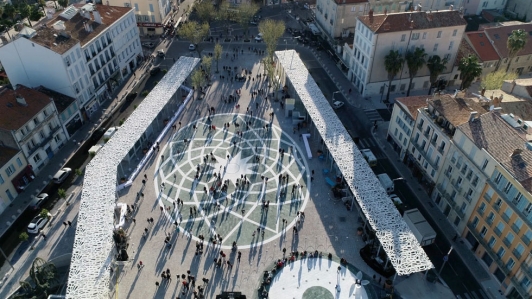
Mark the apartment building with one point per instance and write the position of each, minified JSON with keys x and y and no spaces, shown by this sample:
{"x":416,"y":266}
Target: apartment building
{"x":499,"y":229}
{"x":434,"y":129}
{"x":439,"y":33}
{"x":519,"y":9}
{"x":83,"y":53}
{"x":404,"y":115}
{"x":475,"y":7}
{"x":15,"y":174}
{"x":337,"y":19}
{"x":29,"y":122}
{"x":67,"y":108}
{"x":150,"y":15}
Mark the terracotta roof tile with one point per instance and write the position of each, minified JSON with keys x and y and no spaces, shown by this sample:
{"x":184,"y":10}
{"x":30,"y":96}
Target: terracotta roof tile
{"x":456,"y":110}
{"x":402,"y":21}
{"x":464,"y":50}
{"x":61,"y":101}
{"x":14,"y":115}
{"x":499,"y":36}
{"x":487,"y":132}
{"x":482,"y":45}
{"x":412,"y":104}
{"x":6,"y":154}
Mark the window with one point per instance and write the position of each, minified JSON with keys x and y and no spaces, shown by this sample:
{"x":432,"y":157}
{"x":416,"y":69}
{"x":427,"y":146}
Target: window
{"x":484,"y":164}
{"x":525,"y":282}
{"x":498,"y":178}
{"x":518,"y":251}
{"x":10,"y":170}
{"x":136,"y":7}
{"x":483,"y":231}
{"x":490,"y":218}
{"x":1,"y":180}
{"x":501,"y":252}
{"x":415,"y":36}
{"x":403,"y":37}
{"x":456,"y":221}
{"x":37,"y":158}
{"x":455,"y":32}
{"x":491,"y":242}
{"x":424,"y":35}
{"x":451,"y":44}
{"x":509,"y":239}
{"x":482,"y":207}
{"x":19,"y":162}
{"x":435,"y":47}
{"x":475,"y":222}
{"x":151,"y":8}
{"x":439,"y":34}
{"x":507,"y":188}
{"x":510,"y":264}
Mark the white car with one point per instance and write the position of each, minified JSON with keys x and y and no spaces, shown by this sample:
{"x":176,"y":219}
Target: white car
{"x":37,"y":224}
{"x":40,"y":199}
{"x":258,"y":37}
{"x":61,"y":175}
{"x":337,"y":104}
{"x":192,"y":47}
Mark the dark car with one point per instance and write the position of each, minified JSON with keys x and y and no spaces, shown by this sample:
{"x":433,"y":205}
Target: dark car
{"x":97,"y":134}
{"x":131,"y":96}
{"x":155,"y":70}
{"x":40,"y":199}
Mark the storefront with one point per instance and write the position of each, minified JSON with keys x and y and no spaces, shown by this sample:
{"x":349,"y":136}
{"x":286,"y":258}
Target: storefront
{"x":146,"y":28}
{"x":23,"y":178}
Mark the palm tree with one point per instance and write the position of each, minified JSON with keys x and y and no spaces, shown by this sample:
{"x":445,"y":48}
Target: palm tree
{"x":393,"y":62}
{"x":436,"y":66}
{"x":515,"y":43}
{"x":470,"y":69}
{"x":415,"y":61}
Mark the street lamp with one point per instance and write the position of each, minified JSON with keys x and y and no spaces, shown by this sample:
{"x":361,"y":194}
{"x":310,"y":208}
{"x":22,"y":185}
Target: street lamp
{"x":332,"y":100}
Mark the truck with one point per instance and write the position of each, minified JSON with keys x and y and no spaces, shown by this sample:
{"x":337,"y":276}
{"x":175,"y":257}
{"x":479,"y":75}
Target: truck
{"x":424,"y":233}
{"x":386,"y":182}
{"x":369,"y":156}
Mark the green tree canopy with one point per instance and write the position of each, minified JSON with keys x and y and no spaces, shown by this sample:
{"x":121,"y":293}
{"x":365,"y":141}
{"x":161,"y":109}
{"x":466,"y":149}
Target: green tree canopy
{"x":393,"y":62}
{"x":271,"y":31}
{"x":436,"y":66}
{"x":244,"y":13}
{"x":43,"y":279}
{"x":218,"y":51}
{"x":515,"y":43}
{"x":495,"y":80}
{"x":194,"y":32}
{"x":415,"y":61}
{"x":205,"y":11}
{"x":470,"y":69}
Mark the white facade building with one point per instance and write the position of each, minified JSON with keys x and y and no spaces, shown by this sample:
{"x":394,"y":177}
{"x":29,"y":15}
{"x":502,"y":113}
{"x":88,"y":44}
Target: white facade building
{"x":82,"y":53}
{"x":439,"y":33}
{"x":150,"y":14}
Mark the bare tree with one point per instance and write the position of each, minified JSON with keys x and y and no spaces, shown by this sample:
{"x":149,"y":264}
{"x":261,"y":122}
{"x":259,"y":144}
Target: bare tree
{"x":271,"y":31}
{"x":206,"y":63}
{"x":205,"y":11}
{"x":244,"y":13}
{"x":198,"y":80}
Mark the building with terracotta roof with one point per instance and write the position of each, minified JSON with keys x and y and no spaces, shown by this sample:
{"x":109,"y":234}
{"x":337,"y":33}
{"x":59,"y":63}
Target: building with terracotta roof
{"x":484,"y":50}
{"x":404,"y":115}
{"x":439,"y":33}
{"x":84,"y":52}
{"x":29,"y":122}
{"x":150,"y":15}
{"x":475,"y":7}
{"x":15,"y":174}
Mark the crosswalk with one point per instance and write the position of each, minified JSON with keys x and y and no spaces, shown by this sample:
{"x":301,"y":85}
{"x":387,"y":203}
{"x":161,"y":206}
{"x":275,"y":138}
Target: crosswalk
{"x":373,"y":115}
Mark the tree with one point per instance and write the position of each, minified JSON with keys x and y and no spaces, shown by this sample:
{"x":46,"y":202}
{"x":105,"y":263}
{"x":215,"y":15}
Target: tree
{"x":495,"y":80}
{"x":25,"y":12}
{"x":415,"y":61}
{"x":271,"y":32}
{"x":44,"y":213}
{"x":195,"y":33}
{"x":198,"y":80}
{"x":23,"y":237}
{"x":515,"y":43}
{"x":36,"y":14}
{"x":63,"y":3}
{"x":470,"y":69}
{"x":10,"y":11}
{"x":206,"y":63}
{"x":43,"y":279}
{"x":393,"y":62}
{"x":218,"y":51}
{"x":271,"y":71}
{"x":61,"y":193}
{"x":436,"y":66}
{"x":244,"y":13}
{"x":205,"y":11}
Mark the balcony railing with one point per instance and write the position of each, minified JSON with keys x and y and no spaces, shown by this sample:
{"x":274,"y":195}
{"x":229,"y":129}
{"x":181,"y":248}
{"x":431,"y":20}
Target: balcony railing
{"x":517,"y":254}
{"x":484,"y":244}
{"x":489,"y":220}
{"x":44,"y":141}
{"x":525,"y":239}
{"x":507,"y":242}
{"x":527,"y":269}
{"x":505,"y":218}
{"x":515,"y":228}
{"x":36,"y":128}
{"x":497,"y":231}
{"x":481,"y":211}
{"x":423,"y":152}
{"x":487,"y":197}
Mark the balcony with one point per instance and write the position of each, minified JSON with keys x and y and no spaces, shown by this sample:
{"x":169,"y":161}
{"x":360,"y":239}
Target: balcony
{"x":481,"y":211}
{"x":433,"y":142}
{"x":420,"y":126}
{"x":517,"y":254}
{"x":493,"y":256}
{"x":456,"y":186}
{"x":507,"y":242}
{"x":458,"y":211}
{"x":487,"y":197}
{"x":497,"y":231}
{"x":515,"y":228}
{"x":44,"y":141}
{"x":506,"y":218}
{"x":446,"y":195}
{"x":423,"y":152}
{"x":37,"y":127}
{"x":489,"y":220}
{"x":526,"y":269}
{"x":441,"y":149}
{"x":426,"y":134}
{"x":517,"y":285}
{"x":526,"y":240}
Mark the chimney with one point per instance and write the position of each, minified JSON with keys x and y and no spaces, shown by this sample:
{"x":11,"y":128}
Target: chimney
{"x":473,"y":115}
{"x":371,"y":14}
{"x":516,"y":152}
{"x":429,"y":15}
{"x":451,"y":8}
{"x":97,"y":17}
{"x":419,"y":7}
{"x":412,"y":24}
{"x":385,"y":11}
{"x":21,"y":101}
{"x":386,"y":26}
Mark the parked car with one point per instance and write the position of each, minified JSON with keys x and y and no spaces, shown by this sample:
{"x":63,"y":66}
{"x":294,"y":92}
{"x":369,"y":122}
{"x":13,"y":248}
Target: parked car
{"x":258,"y":37}
{"x":37,"y":224}
{"x":252,"y":22}
{"x":192,"y":47}
{"x":155,"y":70}
{"x":41,"y":198}
{"x":160,"y":53}
{"x":337,"y":104}
{"x":149,"y":45}
{"x":61,"y":175}
{"x":131,"y":96}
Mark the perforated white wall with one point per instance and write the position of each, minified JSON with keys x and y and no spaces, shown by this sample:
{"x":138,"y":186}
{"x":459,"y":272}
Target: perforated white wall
{"x":93,"y":245}
{"x":400,"y":244}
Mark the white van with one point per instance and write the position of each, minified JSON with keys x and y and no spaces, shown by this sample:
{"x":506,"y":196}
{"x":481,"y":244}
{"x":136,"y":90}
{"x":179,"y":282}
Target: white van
{"x":386,"y":182}
{"x":369,"y":156}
